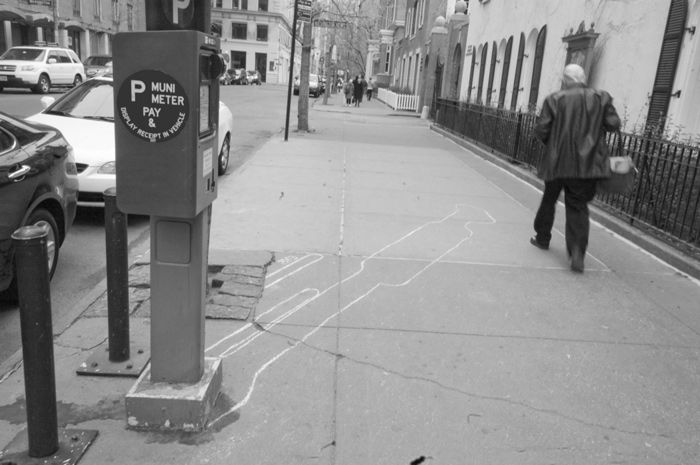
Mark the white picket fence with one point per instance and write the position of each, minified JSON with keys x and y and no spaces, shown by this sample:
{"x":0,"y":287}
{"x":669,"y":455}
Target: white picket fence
{"x":398,"y":101}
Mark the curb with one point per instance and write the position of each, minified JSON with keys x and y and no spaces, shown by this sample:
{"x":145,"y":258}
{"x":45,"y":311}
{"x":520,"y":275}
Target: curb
{"x":655,"y":247}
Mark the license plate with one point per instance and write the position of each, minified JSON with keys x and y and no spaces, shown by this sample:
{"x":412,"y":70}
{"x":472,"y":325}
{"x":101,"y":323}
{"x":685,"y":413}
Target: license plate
{"x":3,"y":78}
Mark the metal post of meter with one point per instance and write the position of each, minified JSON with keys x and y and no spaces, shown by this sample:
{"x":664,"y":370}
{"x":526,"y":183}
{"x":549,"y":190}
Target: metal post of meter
{"x":178,"y":293}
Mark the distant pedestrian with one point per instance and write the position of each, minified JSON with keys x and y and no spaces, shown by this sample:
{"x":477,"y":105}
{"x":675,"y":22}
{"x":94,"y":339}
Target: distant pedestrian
{"x":348,"y":90}
{"x":360,"y":87}
{"x":572,"y":126}
{"x":370,"y":89}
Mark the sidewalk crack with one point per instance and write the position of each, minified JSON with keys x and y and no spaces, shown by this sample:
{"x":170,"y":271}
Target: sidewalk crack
{"x":340,"y":357}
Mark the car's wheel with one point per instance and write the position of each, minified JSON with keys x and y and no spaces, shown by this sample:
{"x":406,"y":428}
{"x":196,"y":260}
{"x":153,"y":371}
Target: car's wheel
{"x":43,"y":86}
{"x":77,"y":80}
{"x":42,"y":218}
{"x":224,"y":154}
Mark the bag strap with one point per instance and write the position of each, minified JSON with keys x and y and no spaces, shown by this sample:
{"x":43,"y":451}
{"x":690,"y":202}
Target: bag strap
{"x":620,"y":153}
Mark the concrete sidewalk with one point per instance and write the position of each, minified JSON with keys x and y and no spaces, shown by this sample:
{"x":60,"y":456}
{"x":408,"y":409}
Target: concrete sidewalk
{"x":404,"y":318}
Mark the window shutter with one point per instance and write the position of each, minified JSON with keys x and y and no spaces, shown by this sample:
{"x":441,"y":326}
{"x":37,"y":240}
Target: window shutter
{"x":537,"y":66}
{"x":492,"y":72}
{"x":482,"y":70}
{"x":668,"y":62}
{"x":518,"y":72}
{"x":504,"y":76}
{"x":471,"y":76}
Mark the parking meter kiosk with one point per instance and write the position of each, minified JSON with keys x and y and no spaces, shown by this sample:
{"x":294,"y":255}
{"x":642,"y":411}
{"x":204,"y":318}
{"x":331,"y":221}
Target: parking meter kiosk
{"x":166,"y":115}
{"x":167,"y":100}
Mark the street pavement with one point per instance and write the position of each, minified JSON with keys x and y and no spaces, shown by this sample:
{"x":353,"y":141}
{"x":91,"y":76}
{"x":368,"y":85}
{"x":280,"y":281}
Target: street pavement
{"x":405,"y":319}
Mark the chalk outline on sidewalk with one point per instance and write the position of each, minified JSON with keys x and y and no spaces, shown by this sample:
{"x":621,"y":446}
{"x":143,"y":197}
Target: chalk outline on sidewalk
{"x":238,"y":345}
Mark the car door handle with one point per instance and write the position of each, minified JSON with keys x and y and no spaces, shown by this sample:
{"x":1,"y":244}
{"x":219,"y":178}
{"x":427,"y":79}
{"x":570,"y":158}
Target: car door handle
{"x":17,"y":175}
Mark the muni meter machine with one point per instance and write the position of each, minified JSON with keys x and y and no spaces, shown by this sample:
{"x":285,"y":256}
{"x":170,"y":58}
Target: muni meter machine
{"x":166,"y":112}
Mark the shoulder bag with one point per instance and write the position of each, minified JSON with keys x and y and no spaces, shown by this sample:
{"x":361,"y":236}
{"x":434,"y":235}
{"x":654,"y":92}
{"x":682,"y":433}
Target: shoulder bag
{"x":621,"y":181}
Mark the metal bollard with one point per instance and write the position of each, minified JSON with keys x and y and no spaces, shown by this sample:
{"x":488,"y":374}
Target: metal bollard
{"x":117,"y":278}
{"x":37,"y":339}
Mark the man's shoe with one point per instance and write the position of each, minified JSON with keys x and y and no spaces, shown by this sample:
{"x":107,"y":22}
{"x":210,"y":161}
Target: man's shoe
{"x":539,"y":245}
{"x":577,"y":261}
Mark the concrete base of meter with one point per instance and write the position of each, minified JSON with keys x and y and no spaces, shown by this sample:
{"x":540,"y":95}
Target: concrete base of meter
{"x":174,"y":407}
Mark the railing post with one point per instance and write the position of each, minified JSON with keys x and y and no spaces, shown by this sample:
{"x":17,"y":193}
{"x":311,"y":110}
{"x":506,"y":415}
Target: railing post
{"x":37,"y":339}
{"x":518,"y":129}
{"x":119,"y":360}
{"x":117,"y":278}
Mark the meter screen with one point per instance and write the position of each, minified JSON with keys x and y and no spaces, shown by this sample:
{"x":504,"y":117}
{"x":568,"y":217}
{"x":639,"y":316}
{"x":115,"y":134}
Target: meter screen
{"x":204,"y":125}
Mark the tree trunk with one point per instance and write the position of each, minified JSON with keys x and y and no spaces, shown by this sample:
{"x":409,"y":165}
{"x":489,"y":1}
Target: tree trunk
{"x":303,"y":103}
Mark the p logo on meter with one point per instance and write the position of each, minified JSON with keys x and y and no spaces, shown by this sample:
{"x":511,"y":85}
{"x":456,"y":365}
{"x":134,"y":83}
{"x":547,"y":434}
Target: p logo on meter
{"x":152,"y":105}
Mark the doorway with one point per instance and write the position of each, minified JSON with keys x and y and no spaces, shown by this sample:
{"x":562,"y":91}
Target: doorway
{"x":261,"y":65}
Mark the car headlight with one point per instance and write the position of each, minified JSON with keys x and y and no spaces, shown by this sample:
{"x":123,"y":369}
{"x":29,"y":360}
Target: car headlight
{"x":108,"y":168}
{"x":28,"y":68}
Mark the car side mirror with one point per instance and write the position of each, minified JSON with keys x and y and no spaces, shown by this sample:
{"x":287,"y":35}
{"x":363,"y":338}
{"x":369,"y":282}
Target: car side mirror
{"x":47,"y":101}
{"x":52,"y":61}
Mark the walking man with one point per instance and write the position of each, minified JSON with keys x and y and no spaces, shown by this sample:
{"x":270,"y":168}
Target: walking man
{"x":572,"y":126}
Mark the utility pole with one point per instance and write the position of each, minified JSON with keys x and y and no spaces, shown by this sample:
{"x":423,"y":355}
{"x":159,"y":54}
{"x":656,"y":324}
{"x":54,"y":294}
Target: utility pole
{"x":330,"y":79}
{"x":55,"y":23}
{"x":303,"y":102}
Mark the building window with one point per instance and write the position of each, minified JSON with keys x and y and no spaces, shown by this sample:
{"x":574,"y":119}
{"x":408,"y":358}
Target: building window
{"x":130,"y":17}
{"x":115,"y":11}
{"x":98,"y":9}
{"x":421,"y":6}
{"x":482,"y":71}
{"x":504,"y":73}
{"x":492,"y":73}
{"x":262,"y":6}
{"x":518,"y":71}
{"x":388,"y":59}
{"x":239,"y":31}
{"x":76,"y":7}
{"x":219,"y":4}
{"x":537,"y":66}
{"x":262,"y":33}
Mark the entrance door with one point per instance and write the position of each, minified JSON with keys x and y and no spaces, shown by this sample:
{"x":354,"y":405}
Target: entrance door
{"x":261,"y":65}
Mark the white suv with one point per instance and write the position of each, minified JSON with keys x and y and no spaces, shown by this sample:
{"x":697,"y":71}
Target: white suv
{"x":40,"y":67}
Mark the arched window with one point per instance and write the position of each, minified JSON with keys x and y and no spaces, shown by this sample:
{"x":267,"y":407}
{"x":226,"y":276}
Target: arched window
{"x":537,"y":67}
{"x":471,"y":76}
{"x":456,"y":69}
{"x":482,"y":70}
{"x":492,"y":73}
{"x":504,"y":75}
{"x":518,"y":72}
{"x":668,"y":62}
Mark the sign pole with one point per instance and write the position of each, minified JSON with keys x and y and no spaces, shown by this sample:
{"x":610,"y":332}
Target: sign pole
{"x":291,"y":69}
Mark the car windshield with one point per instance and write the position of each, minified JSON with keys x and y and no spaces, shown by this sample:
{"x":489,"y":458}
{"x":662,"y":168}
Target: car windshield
{"x":92,"y":100}
{"x":24,"y":54}
{"x":97,"y":61}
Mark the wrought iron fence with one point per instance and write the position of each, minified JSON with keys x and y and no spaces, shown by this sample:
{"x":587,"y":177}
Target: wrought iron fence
{"x":666,"y":196}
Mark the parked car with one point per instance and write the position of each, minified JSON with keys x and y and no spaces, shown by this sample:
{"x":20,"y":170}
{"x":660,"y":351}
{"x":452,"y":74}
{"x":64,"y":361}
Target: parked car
{"x":38,"y":186}
{"x":97,"y":65}
{"x":39,"y":68}
{"x":254,"y":77}
{"x":238,"y":76}
{"x":85,"y":115}
{"x":314,"y":85}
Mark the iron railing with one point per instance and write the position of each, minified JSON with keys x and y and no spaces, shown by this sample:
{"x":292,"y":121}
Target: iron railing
{"x":666,"y":195}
